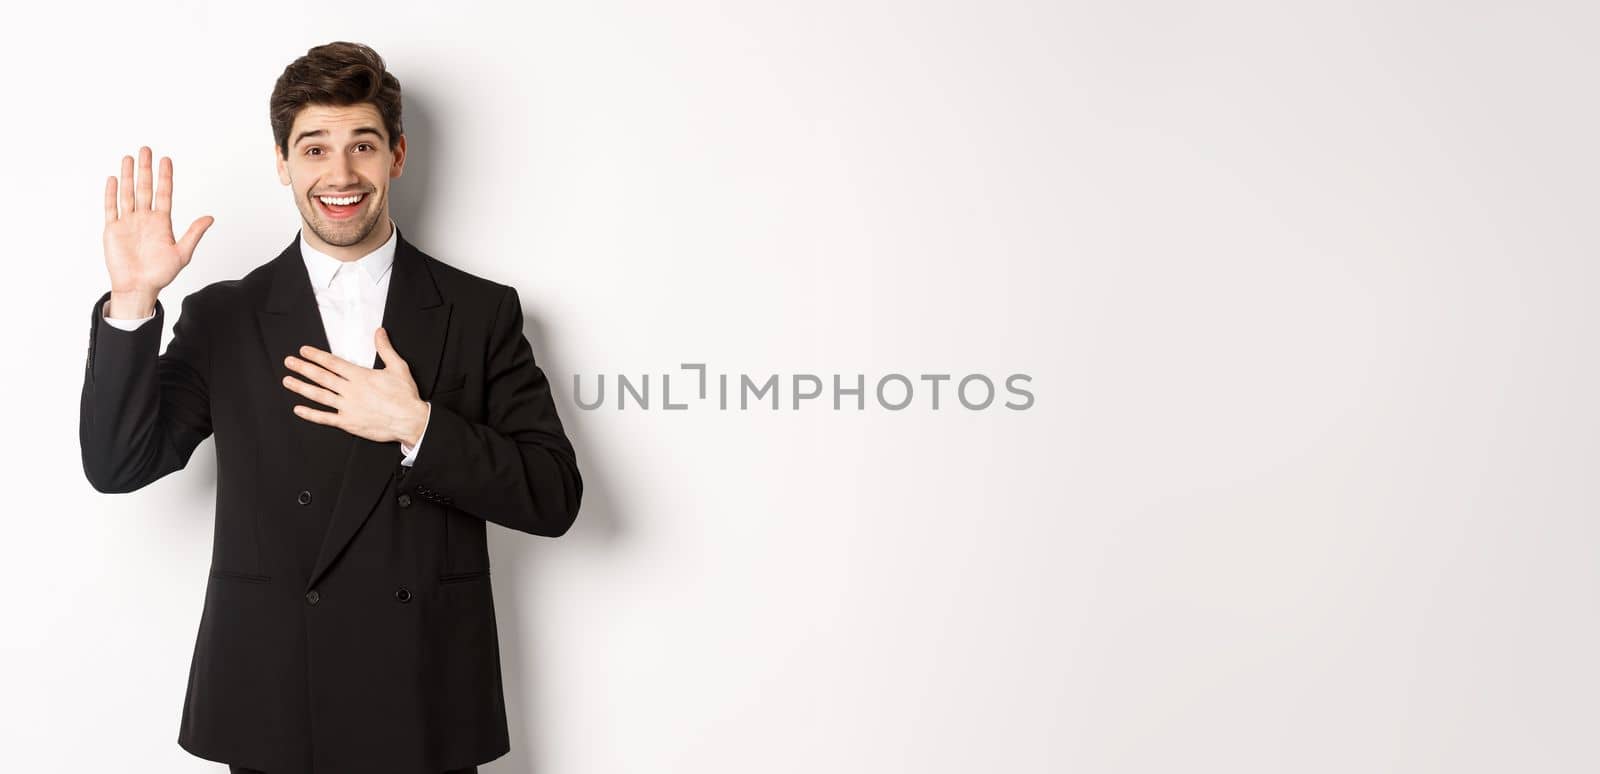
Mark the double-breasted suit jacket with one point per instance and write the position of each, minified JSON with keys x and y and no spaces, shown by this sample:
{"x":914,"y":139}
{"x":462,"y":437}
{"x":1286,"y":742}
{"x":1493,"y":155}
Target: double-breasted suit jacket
{"x":348,"y":623}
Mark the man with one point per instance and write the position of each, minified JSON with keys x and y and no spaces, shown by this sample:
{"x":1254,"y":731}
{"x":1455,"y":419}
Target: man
{"x":348,"y":624}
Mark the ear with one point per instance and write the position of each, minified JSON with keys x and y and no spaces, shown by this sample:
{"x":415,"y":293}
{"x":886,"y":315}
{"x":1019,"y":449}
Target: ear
{"x":283,"y":166}
{"x":399,"y":164}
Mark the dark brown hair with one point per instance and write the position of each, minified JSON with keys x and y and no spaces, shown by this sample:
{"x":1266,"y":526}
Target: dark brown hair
{"x":337,"y":74}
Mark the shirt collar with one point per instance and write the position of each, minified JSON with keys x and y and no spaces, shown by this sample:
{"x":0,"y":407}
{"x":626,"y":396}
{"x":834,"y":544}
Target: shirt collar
{"x":321,"y":266}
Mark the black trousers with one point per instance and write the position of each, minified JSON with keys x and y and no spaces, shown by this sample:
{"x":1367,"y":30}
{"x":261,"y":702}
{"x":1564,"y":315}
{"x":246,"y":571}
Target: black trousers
{"x":243,"y":770}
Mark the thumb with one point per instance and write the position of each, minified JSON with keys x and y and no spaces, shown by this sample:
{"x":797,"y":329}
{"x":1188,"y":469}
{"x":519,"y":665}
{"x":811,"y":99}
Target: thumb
{"x":191,"y":238}
{"x":386,"y":350}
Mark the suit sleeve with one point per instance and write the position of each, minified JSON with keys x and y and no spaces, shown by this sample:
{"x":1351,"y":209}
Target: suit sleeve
{"x":518,"y":469}
{"x":142,"y":415}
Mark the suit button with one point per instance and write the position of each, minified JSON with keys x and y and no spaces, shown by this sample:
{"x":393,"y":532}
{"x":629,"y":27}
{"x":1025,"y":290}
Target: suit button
{"x":405,"y":500}
{"x":403,"y":594}
{"x":305,"y":497}
{"x":312,"y":596}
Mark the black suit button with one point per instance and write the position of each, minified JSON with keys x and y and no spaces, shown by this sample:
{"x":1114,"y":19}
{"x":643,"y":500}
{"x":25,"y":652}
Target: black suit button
{"x":312,"y":596}
{"x":403,"y":594}
{"x":305,"y":497}
{"x":405,"y":500}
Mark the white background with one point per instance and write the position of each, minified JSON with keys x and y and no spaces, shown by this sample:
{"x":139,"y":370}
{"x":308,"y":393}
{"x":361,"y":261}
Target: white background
{"x":1308,"y":485}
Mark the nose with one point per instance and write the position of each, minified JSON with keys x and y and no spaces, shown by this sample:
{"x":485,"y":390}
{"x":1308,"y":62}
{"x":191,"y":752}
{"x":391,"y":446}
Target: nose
{"x":342,"y":173}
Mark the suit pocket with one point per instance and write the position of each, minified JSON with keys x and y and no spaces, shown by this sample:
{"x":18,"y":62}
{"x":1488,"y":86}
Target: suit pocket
{"x":463,"y":577}
{"x":448,"y":384}
{"x":244,"y":577}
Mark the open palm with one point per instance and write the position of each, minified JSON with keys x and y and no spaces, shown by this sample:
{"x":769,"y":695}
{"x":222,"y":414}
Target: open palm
{"x":141,"y":254}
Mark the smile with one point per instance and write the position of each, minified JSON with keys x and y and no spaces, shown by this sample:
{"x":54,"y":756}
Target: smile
{"x":340,"y":207}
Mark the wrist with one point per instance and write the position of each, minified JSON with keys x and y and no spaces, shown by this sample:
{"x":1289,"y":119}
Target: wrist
{"x":419,"y":422}
{"x":132,"y":304}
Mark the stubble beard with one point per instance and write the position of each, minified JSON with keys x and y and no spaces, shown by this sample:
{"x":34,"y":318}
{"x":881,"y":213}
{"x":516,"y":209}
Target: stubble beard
{"x":339,"y":234}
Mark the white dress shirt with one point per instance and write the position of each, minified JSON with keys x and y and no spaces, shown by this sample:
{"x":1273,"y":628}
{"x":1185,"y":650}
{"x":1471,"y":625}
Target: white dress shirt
{"x":350,"y":295}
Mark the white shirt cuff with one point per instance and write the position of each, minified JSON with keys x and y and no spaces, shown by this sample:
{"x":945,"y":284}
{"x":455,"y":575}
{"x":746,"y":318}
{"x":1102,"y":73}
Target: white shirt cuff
{"x":126,"y":324}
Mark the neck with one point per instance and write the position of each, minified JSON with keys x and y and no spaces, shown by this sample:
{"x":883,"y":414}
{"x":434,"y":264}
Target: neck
{"x":373,"y":241}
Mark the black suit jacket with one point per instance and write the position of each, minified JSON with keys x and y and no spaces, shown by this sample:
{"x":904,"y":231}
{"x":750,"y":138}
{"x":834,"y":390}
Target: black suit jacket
{"x":349,"y":623}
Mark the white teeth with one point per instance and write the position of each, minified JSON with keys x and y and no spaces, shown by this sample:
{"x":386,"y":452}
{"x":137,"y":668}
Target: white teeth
{"x":341,"y":199}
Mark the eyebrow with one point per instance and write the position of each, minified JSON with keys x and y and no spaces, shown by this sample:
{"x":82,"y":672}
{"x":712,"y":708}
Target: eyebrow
{"x":323,"y":132}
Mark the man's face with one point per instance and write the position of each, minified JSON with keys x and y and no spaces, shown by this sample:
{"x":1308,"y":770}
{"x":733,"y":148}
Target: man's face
{"x":341,"y":152}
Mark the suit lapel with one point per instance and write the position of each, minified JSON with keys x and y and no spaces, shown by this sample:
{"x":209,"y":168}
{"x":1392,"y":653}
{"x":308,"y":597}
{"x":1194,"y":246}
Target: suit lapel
{"x":289,"y":319}
{"x":415,"y":316}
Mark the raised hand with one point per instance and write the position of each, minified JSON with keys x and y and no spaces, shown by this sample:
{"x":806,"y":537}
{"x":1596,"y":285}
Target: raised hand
{"x":141,"y":254}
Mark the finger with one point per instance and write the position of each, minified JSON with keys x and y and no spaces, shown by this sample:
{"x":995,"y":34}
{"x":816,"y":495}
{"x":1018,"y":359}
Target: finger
{"x":111,"y":199}
{"x":191,"y":238}
{"x":344,"y":368}
{"x":320,"y":417}
{"x":126,"y":189}
{"x":164,"y":186}
{"x":312,"y":391}
{"x":317,"y":373}
{"x":141,"y":191}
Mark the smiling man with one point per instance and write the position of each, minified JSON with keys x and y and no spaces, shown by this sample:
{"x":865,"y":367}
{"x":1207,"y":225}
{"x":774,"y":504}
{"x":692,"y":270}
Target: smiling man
{"x":373,"y":409}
